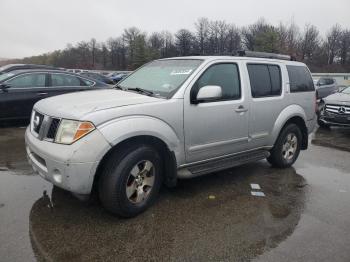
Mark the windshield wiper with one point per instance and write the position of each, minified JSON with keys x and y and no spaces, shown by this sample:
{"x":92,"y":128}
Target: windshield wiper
{"x":141,"y":90}
{"x":117,"y":86}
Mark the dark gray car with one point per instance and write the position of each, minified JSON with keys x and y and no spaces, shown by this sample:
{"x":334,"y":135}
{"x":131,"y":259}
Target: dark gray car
{"x":336,"y":109}
{"x":325,"y":87}
{"x":21,"y":89}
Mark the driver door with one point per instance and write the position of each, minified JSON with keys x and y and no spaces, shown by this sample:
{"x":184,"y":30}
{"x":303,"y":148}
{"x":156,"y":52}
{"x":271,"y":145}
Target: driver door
{"x":216,"y":128}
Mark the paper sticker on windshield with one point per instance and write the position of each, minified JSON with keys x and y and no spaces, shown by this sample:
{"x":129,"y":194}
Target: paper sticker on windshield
{"x":181,"y":72}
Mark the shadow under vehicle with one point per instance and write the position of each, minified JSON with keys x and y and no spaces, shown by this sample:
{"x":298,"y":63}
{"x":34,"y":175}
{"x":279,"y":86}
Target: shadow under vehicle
{"x":187,"y":224}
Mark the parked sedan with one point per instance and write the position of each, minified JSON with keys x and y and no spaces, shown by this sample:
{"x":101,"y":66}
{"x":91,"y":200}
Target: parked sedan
{"x":336,"y":109}
{"x":13,"y":67}
{"x":98,"y":77}
{"x":20,"y":90}
{"x":117,"y":77}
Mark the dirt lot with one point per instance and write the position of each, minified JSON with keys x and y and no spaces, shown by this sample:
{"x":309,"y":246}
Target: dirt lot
{"x":304,"y":215}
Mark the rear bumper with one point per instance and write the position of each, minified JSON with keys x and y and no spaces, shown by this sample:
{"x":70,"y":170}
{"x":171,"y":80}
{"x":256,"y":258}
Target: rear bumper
{"x":71,"y":167}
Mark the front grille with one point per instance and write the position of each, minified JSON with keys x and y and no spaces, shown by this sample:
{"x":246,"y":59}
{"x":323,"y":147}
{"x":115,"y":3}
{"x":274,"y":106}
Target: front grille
{"x":43,"y":126}
{"x":51,"y":133}
{"x":338,"y":109}
{"x":37,"y":122}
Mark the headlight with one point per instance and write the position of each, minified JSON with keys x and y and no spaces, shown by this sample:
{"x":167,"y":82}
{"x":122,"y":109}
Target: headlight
{"x":70,"y":131}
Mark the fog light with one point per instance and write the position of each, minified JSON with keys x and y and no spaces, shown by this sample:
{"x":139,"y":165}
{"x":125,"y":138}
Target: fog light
{"x":57,"y":176}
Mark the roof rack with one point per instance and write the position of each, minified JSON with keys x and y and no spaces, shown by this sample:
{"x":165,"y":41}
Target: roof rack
{"x":264,"y":55}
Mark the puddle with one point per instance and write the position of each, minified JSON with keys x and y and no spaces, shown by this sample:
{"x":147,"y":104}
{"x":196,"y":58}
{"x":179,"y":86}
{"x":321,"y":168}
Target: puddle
{"x":334,"y":137}
{"x":184,"y":224}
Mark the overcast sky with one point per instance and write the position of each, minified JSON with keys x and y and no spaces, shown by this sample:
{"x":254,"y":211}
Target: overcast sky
{"x":31,"y":27}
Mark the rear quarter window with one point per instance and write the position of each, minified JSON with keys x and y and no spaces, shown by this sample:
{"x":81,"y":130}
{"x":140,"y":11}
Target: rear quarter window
{"x":300,"y":79}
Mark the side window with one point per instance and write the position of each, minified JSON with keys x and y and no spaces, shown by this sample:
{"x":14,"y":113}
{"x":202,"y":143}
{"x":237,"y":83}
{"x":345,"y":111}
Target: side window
{"x":85,"y":82}
{"x":265,"y":80}
{"x":65,"y":80}
{"x":322,"y":82}
{"x":28,"y":80}
{"x":330,"y":81}
{"x":276,"y":80}
{"x":224,"y":75}
{"x":300,"y":79}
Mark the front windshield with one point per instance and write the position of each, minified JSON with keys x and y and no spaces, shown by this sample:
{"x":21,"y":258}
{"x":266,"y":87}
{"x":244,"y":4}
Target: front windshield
{"x":162,"y":77}
{"x":346,"y":90}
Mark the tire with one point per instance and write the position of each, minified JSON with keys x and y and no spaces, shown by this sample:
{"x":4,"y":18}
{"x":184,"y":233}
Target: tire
{"x":290,"y":138}
{"x":125,"y":186}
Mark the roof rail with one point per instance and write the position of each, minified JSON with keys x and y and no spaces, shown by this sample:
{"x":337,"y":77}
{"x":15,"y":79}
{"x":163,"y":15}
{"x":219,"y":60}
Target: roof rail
{"x":264,"y":55}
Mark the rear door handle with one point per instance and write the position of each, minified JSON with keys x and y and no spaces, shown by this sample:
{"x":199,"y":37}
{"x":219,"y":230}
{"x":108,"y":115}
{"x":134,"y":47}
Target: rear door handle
{"x":241,"y":109}
{"x":42,"y":94}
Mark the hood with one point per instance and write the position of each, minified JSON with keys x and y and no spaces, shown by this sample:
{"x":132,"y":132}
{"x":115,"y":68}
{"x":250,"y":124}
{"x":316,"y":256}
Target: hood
{"x":76,"y":105}
{"x":338,"y":98}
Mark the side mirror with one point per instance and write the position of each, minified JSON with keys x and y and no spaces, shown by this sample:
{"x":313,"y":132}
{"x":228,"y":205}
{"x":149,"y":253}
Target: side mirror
{"x":208,"y":93}
{"x":4,"y":87}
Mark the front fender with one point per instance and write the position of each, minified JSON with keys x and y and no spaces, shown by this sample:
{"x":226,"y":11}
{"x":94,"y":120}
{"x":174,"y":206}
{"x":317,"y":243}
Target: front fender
{"x":120,"y":129}
{"x":286,"y":114}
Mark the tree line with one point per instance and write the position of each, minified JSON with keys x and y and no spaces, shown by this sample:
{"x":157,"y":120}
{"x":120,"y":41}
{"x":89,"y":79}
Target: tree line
{"x":133,"y":48}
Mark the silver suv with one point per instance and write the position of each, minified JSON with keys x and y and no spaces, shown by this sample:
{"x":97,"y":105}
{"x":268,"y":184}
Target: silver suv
{"x":172,"y":118}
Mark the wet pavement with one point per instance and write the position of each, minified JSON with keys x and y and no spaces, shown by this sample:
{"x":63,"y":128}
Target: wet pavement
{"x":304,"y":215}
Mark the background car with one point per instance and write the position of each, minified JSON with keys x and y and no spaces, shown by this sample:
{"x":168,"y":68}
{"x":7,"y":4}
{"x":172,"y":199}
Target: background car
{"x":99,"y":77}
{"x":21,"y":89}
{"x":12,"y":67}
{"x":336,"y":109}
{"x":325,"y":87}
{"x":117,"y":76}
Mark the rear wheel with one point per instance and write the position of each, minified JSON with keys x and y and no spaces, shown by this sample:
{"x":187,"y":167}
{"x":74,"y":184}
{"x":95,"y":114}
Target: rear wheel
{"x":287,"y":147}
{"x":131,"y":180}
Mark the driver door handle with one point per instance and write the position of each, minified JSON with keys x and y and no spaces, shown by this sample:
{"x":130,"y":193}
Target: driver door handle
{"x":42,"y":93}
{"x":241,"y":109}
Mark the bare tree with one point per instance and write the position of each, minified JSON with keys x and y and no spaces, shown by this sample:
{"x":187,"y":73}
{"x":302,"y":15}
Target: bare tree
{"x":169,"y":48}
{"x":184,"y":41}
{"x":293,"y":35}
{"x":156,"y":43}
{"x":93,"y":51}
{"x":309,"y":42}
{"x":344,"y":46}
{"x":233,"y":39}
{"x":210,"y":37}
{"x":202,"y":31}
{"x":333,"y":39}
{"x":104,"y":55}
{"x":222,"y":27}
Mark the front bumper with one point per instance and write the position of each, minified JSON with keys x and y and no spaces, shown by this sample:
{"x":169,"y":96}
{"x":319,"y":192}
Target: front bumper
{"x":334,"y":119}
{"x":71,"y":167}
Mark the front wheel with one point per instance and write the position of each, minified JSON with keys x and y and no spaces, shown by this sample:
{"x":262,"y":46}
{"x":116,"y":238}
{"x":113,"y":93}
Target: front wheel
{"x":287,"y":147}
{"x":131,"y":180}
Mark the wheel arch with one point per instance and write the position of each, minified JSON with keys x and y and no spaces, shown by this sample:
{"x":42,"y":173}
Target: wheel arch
{"x":168,"y":156}
{"x":292,"y":114}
